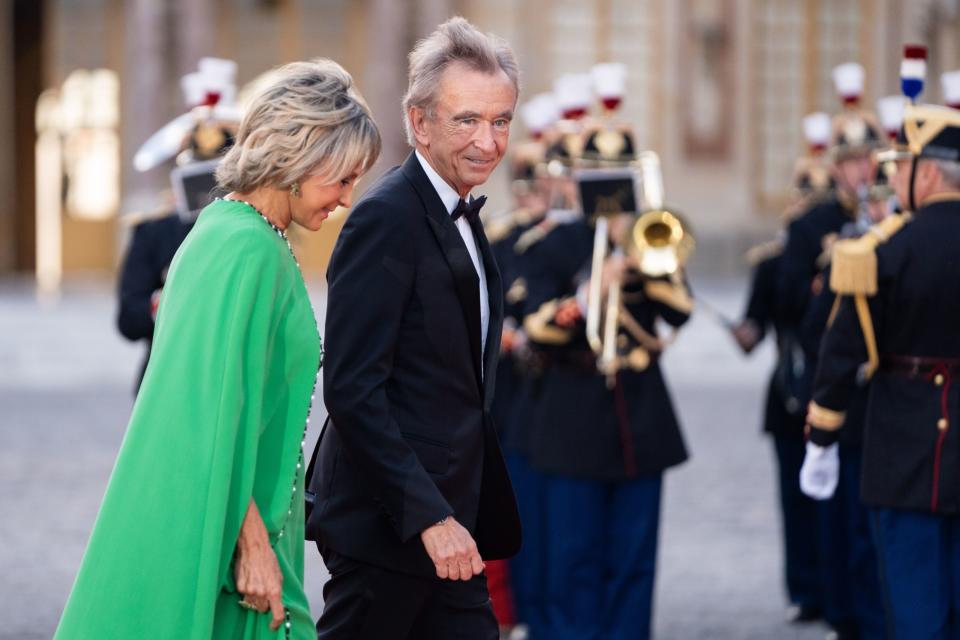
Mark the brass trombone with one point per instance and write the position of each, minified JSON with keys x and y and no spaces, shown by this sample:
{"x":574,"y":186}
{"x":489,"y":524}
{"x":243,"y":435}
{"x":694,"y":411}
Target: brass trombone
{"x":658,"y":241}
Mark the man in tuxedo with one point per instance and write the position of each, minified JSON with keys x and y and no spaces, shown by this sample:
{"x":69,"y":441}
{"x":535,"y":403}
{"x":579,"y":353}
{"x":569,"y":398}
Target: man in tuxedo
{"x":412,"y":493}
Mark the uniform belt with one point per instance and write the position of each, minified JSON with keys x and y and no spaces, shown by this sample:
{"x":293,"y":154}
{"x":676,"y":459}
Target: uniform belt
{"x":918,"y":367}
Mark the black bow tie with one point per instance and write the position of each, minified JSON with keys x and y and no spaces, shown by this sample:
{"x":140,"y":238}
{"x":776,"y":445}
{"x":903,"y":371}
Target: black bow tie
{"x":469,"y":210}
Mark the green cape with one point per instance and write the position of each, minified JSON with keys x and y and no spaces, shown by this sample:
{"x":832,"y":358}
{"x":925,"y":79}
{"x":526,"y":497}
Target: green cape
{"x":219,"y":419}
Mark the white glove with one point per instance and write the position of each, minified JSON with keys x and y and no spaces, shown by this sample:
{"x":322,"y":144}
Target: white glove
{"x":820,"y":471}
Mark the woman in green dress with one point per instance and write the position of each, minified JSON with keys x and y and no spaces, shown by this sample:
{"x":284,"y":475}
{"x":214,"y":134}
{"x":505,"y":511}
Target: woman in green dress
{"x":200,"y":534}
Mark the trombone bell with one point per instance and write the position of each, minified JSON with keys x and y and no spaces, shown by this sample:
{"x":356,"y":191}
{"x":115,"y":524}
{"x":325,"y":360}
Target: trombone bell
{"x":660,"y":243}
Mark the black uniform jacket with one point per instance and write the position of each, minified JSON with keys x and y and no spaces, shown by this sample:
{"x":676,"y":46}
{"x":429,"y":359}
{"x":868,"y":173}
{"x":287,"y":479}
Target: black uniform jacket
{"x":510,"y":380}
{"x":909,"y":461}
{"x":411,"y":439}
{"x":812,"y":331}
{"x":581,"y":427}
{"x":784,"y":411}
{"x":144,"y":271}
{"x":798,"y":265}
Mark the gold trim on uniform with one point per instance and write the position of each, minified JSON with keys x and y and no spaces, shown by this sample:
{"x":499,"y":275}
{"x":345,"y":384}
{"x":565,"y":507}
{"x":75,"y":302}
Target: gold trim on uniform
{"x":499,"y":228}
{"x":533,"y":235}
{"x":517,"y":291}
{"x":540,"y":328}
{"x":941,"y":197}
{"x":823,"y":418}
{"x":769,"y":249}
{"x":673,"y":295}
{"x":922,"y":123}
{"x":854,"y":273}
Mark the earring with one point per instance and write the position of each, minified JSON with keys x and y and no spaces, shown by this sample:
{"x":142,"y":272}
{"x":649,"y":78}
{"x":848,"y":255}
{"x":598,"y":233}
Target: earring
{"x":295,"y":189}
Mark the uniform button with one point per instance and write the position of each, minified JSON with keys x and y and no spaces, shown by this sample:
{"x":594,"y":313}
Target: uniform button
{"x":938,"y":380}
{"x":942,"y":424}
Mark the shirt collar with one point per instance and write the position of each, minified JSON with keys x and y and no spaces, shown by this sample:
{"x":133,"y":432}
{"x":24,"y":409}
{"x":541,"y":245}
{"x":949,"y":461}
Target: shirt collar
{"x":448,"y":196}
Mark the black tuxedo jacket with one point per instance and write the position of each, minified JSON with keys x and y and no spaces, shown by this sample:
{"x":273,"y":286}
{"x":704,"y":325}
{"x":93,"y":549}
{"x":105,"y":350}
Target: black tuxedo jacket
{"x":406,"y":385}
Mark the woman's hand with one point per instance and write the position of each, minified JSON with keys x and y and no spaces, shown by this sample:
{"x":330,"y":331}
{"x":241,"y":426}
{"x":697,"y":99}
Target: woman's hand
{"x":256,"y":569}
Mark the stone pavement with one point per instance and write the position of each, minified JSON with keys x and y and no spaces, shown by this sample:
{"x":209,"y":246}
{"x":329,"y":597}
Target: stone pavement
{"x":66,"y":393}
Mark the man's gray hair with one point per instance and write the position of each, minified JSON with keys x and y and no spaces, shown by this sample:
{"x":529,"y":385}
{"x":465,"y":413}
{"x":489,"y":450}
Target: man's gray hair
{"x":456,"y":40}
{"x":950,"y":171}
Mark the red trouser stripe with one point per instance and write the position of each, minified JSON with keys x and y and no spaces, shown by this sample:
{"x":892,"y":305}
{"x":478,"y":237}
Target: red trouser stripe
{"x":626,"y":441}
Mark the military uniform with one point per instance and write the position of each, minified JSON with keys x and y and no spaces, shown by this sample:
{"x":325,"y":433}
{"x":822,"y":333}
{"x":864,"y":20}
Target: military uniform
{"x":203,"y":134}
{"x":510,"y":406}
{"x":783,"y":420}
{"x":849,"y":589}
{"x":907,"y":334}
{"x":143,"y":275}
{"x":603,"y":449}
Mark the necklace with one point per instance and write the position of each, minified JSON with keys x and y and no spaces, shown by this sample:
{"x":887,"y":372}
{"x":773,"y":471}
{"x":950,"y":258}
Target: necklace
{"x":280,"y":232}
{"x":287,"y":624}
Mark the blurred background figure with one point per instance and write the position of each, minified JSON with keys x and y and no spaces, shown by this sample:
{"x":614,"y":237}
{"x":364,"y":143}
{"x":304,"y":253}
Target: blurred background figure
{"x":516,"y":586}
{"x":197,"y":140}
{"x":604,"y":429}
{"x":783,"y":416}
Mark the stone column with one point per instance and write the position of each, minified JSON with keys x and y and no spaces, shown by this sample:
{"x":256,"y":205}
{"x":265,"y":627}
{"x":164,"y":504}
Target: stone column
{"x":150,"y":96}
{"x":431,"y":13}
{"x":385,"y":77}
{"x":195,"y":33}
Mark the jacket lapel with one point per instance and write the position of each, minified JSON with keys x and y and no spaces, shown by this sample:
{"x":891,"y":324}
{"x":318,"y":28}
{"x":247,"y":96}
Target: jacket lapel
{"x":465,"y":278}
{"x":495,"y":294}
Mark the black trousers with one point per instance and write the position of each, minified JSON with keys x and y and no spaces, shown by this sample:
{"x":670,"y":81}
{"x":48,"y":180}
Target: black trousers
{"x":802,"y":561}
{"x":364,"y":602}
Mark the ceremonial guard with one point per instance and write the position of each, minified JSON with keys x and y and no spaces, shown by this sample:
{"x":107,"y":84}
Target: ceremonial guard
{"x":516,"y":585}
{"x":784,"y":410}
{"x":604,"y":428}
{"x":198,"y":139}
{"x":856,"y":134}
{"x":898,"y":323}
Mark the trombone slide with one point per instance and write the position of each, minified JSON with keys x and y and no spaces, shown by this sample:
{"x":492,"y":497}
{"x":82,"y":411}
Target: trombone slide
{"x":596,"y":280}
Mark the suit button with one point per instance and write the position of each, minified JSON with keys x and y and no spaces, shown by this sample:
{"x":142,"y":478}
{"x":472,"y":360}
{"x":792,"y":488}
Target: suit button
{"x":942,"y":424}
{"x":938,"y":380}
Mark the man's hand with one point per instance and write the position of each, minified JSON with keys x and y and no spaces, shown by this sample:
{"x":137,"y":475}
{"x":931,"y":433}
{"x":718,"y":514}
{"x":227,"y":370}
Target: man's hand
{"x":615,"y":267}
{"x":820,"y":471}
{"x":452,"y":550}
{"x":508,"y":340}
{"x":746,"y":334}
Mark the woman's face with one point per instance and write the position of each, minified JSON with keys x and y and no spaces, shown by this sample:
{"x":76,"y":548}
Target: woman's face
{"x":318,"y":198}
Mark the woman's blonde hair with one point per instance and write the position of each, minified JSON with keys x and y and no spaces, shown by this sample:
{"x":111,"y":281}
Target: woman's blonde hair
{"x":309,"y":120}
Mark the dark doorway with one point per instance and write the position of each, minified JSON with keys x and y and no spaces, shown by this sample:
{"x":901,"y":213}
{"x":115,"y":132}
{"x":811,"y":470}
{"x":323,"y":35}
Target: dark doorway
{"x":28,"y":77}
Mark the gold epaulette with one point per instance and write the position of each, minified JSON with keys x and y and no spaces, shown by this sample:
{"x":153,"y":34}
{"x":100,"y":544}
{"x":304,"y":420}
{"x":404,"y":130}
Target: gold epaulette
{"x":854,"y":273}
{"x":500,"y":227}
{"x":533,"y":235}
{"x":823,"y":418}
{"x":769,"y":249}
{"x":517,"y":291}
{"x":674,"y":296}
{"x":540,"y":324}
{"x":854,"y":268}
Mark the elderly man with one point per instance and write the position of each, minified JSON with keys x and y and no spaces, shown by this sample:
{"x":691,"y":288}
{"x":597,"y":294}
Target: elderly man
{"x":412,"y":493}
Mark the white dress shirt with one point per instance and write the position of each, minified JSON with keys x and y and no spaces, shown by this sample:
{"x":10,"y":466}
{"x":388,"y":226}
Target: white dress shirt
{"x":450,"y":199}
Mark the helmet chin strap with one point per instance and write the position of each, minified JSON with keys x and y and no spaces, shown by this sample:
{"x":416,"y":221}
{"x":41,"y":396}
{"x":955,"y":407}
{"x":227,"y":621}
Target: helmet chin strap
{"x":913,"y":180}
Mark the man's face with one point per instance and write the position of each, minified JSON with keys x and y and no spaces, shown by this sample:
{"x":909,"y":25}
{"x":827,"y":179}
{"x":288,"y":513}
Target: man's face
{"x":466,"y":137}
{"x":853,"y":173}
{"x":901,"y":182}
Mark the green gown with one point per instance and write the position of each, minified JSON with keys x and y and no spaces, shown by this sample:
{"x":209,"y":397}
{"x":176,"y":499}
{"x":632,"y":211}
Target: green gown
{"x":219,"y":419}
